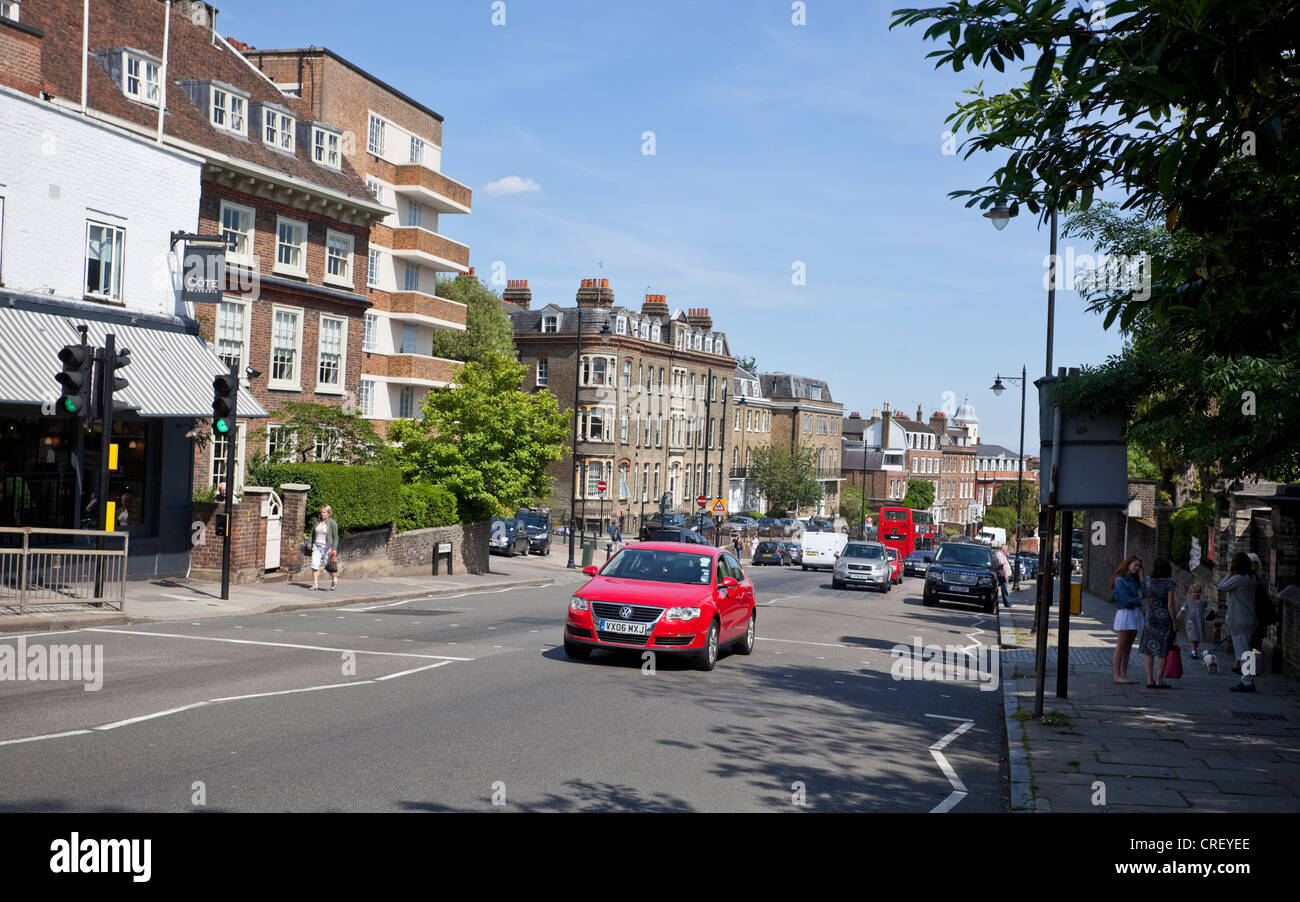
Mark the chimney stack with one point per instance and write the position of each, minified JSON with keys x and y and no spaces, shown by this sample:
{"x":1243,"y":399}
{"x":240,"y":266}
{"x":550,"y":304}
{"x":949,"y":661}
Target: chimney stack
{"x":655,"y":305}
{"x":699,"y":318}
{"x":875,"y":413}
{"x":918,"y":413}
{"x":467,"y":275}
{"x":886,"y":416}
{"x":518,"y":293}
{"x":595,"y":293}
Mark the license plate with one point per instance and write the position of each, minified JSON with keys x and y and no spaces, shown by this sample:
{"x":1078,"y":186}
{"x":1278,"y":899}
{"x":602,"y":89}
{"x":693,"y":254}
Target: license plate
{"x":959,"y":588}
{"x":622,"y":627}
{"x":857,"y":576}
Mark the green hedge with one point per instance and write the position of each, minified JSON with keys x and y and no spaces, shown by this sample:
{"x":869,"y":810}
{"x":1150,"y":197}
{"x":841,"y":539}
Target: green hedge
{"x":362,"y":497}
{"x":1190,"y":520}
{"x":425,"y":505}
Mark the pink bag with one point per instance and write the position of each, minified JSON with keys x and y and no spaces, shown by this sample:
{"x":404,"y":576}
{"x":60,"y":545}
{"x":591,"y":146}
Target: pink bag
{"x":1173,"y":664}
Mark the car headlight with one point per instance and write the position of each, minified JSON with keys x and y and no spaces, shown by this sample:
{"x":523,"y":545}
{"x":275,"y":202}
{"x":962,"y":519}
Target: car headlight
{"x":577,"y":604}
{"x":986,"y":580}
{"x":933,"y":575}
{"x":682,"y":613}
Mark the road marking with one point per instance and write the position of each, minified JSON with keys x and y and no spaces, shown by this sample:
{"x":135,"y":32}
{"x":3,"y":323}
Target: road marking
{"x":393,"y":676}
{"x":144,"y":717}
{"x":801,"y":642}
{"x":390,"y":654}
{"x":959,"y":791}
{"x":47,"y":735}
{"x":394,"y":604}
{"x":240,"y":698}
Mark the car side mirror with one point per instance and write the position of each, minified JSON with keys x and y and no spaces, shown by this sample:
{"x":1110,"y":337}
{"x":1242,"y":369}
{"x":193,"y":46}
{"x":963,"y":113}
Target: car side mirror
{"x":590,"y":570}
{"x":728,"y":582}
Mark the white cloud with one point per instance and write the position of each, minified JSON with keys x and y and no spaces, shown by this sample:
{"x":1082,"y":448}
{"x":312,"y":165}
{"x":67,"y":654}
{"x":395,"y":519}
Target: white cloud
{"x":511,"y":184}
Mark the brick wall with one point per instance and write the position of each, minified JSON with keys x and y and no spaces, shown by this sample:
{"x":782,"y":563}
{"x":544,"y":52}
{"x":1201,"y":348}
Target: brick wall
{"x":20,"y":57}
{"x":469,"y":546}
{"x":247,"y":542}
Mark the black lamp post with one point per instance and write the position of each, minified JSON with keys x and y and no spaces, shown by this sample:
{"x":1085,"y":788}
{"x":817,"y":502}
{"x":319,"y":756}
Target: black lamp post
{"x":577,"y":381}
{"x":998,"y":388}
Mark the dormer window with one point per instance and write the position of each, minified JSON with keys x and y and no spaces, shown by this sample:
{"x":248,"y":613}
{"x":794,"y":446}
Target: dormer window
{"x":325,"y":150}
{"x":228,"y":110}
{"x":141,"y":81}
{"x":654,"y":332}
{"x":550,"y":323}
{"x":277,"y":129}
{"x":620,"y":325}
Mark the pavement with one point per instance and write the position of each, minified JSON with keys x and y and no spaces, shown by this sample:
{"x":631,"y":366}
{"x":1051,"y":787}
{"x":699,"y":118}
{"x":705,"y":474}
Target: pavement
{"x":1197,"y":747}
{"x":158,"y":600}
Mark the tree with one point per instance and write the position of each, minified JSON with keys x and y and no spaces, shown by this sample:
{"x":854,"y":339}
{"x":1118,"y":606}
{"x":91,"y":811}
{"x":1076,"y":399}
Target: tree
{"x":920,"y":495}
{"x":1005,"y":497}
{"x":1187,"y":111}
{"x":485,"y":440}
{"x":1002,"y":518}
{"x":851,"y":505}
{"x":349,"y":438}
{"x":749,"y":364}
{"x":786,"y":478}
{"x":487,"y":326}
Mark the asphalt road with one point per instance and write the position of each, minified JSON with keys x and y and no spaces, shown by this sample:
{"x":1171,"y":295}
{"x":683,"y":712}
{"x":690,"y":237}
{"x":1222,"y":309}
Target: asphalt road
{"x":468,"y":703}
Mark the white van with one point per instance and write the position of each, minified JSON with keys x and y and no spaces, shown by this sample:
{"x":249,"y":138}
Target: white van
{"x":992,"y":535}
{"x":822,"y":549}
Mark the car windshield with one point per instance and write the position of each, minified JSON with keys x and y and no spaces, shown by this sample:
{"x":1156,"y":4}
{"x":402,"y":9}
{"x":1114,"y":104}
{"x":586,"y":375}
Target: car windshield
{"x":661,"y":566}
{"x":534,"y":521}
{"x":871,"y":552}
{"x":964,"y":555}
{"x":672,"y":520}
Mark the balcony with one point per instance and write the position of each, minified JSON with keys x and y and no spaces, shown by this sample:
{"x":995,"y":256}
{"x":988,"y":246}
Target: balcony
{"x":411,"y":369}
{"x":427,"y":310}
{"x":430,"y":249}
{"x":433,"y":188}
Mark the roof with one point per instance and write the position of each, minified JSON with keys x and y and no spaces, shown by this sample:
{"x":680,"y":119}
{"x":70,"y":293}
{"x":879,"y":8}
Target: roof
{"x":788,"y":385}
{"x":325,"y":51}
{"x":193,"y":56}
{"x":910,"y":425}
{"x":986,"y":449}
{"x":852,"y":460}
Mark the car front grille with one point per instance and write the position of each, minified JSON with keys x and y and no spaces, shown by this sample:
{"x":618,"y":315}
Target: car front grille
{"x":967,"y":578}
{"x":674,"y":640}
{"x":640,"y":613}
{"x":620,"y":639}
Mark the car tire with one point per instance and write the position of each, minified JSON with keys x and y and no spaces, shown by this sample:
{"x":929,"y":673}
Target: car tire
{"x":837,"y":584}
{"x":577,"y":652}
{"x":745,"y":644}
{"x":991,"y":605}
{"x":928,"y":600}
{"x":805,"y":569}
{"x":708,"y":656}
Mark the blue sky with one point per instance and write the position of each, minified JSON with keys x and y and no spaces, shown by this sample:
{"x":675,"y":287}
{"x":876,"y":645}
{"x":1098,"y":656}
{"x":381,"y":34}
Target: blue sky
{"x":775,"y":143}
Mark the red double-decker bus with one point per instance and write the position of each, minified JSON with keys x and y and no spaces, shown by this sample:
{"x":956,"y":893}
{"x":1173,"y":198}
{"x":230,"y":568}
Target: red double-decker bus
{"x":907,"y":530}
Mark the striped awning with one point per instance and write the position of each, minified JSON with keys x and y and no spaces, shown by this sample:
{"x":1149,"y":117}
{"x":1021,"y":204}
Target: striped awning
{"x":170,"y":373}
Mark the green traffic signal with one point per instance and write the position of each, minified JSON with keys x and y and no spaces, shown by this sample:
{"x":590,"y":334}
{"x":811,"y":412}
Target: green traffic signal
{"x":70,"y":405}
{"x":222,"y":425}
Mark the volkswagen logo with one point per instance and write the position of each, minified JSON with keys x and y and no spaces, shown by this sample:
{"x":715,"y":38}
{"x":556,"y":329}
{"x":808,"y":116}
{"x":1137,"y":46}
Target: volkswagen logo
{"x":625,"y":612}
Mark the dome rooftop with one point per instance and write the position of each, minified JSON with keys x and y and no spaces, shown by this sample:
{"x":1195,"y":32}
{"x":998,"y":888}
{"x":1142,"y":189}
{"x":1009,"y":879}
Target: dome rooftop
{"x":965,"y":413}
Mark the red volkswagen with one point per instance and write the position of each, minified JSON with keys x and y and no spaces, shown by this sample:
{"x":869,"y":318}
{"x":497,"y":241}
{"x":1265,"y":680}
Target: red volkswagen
{"x":665,"y":596}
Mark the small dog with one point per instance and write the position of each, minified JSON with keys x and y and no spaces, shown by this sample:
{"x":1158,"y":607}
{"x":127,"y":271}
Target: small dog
{"x":1211,"y":665}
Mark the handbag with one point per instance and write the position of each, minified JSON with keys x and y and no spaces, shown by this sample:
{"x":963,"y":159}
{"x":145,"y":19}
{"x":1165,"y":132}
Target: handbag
{"x":1173,"y":663}
{"x":306,"y":549}
{"x":332,"y":564}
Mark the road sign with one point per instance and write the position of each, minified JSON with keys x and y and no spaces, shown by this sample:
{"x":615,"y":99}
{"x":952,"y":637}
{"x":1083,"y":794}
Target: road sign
{"x":601,"y":486}
{"x":719,"y":505}
{"x":701,"y":501}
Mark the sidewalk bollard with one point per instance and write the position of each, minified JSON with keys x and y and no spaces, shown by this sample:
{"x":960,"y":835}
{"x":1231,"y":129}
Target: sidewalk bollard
{"x":588,"y":551}
{"x":609,"y":551}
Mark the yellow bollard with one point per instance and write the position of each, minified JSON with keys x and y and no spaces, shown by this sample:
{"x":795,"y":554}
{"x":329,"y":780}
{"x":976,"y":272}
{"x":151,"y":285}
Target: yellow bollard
{"x":1076,"y":598}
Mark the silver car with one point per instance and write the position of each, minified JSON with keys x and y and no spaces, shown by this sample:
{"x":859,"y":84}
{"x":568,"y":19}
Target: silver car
{"x":863,"y":564}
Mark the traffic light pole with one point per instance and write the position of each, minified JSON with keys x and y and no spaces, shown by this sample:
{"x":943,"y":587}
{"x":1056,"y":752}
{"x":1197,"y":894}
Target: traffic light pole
{"x":232,"y":441}
{"x":107,"y":361}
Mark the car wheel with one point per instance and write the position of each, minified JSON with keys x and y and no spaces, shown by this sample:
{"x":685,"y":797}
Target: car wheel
{"x":577,"y":652}
{"x":837,"y":584}
{"x":928,"y":600}
{"x":745,"y":644}
{"x":805,"y":569}
{"x":991,"y":605}
{"x":708,"y":656}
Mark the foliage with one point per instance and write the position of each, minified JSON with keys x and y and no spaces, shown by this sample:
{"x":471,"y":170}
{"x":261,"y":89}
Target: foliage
{"x":1005,"y":497}
{"x":1187,"y":110}
{"x":920,"y":494}
{"x":786,"y":478}
{"x":851,"y":505}
{"x":352,"y":439}
{"x":205,"y":495}
{"x":749,"y":364}
{"x":1189,"y":521}
{"x":361,"y":497}
{"x":1140,"y":465}
{"x":487,"y":326}
{"x":1002,"y":518}
{"x":425,"y":505}
{"x":485,"y":440}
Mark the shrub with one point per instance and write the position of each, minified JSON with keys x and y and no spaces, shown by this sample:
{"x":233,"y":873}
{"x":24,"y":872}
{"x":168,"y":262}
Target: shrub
{"x":425,"y":505}
{"x":1190,"y":520}
{"x":362,"y":497}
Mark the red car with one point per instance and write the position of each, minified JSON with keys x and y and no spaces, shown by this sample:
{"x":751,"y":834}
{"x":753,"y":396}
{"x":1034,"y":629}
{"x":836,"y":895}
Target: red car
{"x":895,"y":566}
{"x":674,"y":598}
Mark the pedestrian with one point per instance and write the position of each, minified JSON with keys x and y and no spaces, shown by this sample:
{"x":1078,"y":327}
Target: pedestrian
{"x":1265,"y":613}
{"x":618,"y":535}
{"x":324,"y":547}
{"x":1127,"y":589}
{"x":1193,"y":611}
{"x":1240,"y":586}
{"x":735,"y":545}
{"x":1003,"y":567}
{"x":753,"y":547}
{"x":1159,"y":632}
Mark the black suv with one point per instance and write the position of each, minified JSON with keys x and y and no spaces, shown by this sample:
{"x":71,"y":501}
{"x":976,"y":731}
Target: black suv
{"x":656,"y":522}
{"x":537,"y":520}
{"x":963,"y":572}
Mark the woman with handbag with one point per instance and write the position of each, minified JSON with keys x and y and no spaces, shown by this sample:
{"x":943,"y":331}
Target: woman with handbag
{"x":324,"y":542}
{"x":1128,"y":594}
{"x":1158,"y":633}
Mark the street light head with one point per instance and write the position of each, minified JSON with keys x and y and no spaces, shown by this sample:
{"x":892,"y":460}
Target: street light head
{"x":998,"y":387}
{"x":999,"y":215}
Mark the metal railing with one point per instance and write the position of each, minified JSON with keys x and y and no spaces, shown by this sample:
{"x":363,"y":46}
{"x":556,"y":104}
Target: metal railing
{"x":61,"y":566}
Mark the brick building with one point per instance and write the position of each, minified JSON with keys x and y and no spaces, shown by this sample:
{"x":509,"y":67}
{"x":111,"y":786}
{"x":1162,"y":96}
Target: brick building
{"x":996,"y":466}
{"x":751,"y":429}
{"x":394,"y":142}
{"x":803,"y":413}
{"x":652,"y":399}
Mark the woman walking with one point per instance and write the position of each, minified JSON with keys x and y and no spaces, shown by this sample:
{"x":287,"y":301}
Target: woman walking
{"x":1128,"y":618}
{"x":1159,"y":632}
{"x":1240,"y":586}
{"x":324,"y":541}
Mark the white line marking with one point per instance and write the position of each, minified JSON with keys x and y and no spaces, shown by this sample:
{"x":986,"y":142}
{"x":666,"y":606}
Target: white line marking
{"x":394,"y":604}
{"x":959,"y":791}
{"x":46,"y":736}
{"x":240,"y":698}
{"x":801,"y":642}
{"x":16,"y":636}
{"x":144,"y":717}
{"x":389,"y":654}
{"x":393,"y":676}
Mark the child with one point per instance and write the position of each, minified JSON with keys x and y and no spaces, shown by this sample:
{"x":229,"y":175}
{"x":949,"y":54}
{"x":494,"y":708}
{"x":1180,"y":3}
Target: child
{"x":1194,"y":608}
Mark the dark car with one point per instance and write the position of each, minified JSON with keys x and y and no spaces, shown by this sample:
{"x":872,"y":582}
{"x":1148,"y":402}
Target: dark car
{"x":963,"y":572}
{"x":1028,"y":563}
{"x":689,"y":536}
{"x":916,"y":563}
{"x":771,"y":552}
{"x":537,"y":522}
{"x":796,"y":551}
{"x":509,"y":537}
{"x":656,"y":522}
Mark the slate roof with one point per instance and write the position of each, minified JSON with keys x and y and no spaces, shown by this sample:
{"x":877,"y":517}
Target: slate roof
{"x":788,"y":385}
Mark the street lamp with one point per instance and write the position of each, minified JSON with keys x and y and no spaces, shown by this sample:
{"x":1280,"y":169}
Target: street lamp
{"x":999,"y":215}
{"x":577,"y":381}
{"x":998,"y":388}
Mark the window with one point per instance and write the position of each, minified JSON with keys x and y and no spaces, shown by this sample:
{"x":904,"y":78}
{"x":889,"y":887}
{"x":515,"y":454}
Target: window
{"x":406,"y":402}
{"x":104,"y":260}
{"x":622,"y":427}
{"x":654,"y":332}
{"x":645,"y":330}
{"x":277,"y":129}
{"x":228,"y":110}
{"x":414,"y":213}
{"x":596,"y":424}
{"x":231,"y":333}
{"x":595,"y":469}
{"x":375,"y":143}
{"x":366,"y":399}
{"x":338,"y":258}
{"x":543,"y":370}
{"x":369,"y":340}
{"x":417,"y":150}
{"x":291,"y":246}
{"x":597,"y":372}
{"x":286,"y":341}
{"x":620,"y":325}
{"x":278,"y":445}
{"x":333,"y":352}
{"x":9,"y":10}
{"x":737,"y":426}
{"x":375,"y":187}
{"x":815,"y":392}
{"x":411,"y":278}
{"x":218,"y":461}
{"x":372,"y":269}
{"x":627,"y":374}
{"x":324,"y":448}
{"x":749,"y":426}
{"x":140,"y":78}
{"x":550,"y":324}
{"x":325,"y":151}
{"x":410,"y":335}
{"x":237,"y":229}
{"x":661,"y":380}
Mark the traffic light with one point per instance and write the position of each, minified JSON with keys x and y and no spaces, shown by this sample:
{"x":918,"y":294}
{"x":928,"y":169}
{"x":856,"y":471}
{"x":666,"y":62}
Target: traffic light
{"x":76,"y":379}
{"x":225,"y":388}
{"x":121,"y":359}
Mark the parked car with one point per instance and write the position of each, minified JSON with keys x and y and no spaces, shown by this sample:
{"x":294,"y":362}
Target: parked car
{"x":863,"y":564}
{"x":821,"y":549}
{"x":537,"y":521}
{"x":689,"y":536}
{"x":666,"y":596}
{"x":916,"y":563}
{"x":509,"y":537}
{"x":738,"y":523}
{"x":962,"y":571}
{"x":771,"y":552}
{"x":1028,"y":563}
{"x":795,"y":550}
{"x":660,"y":521}
{"x":896,"y":566}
